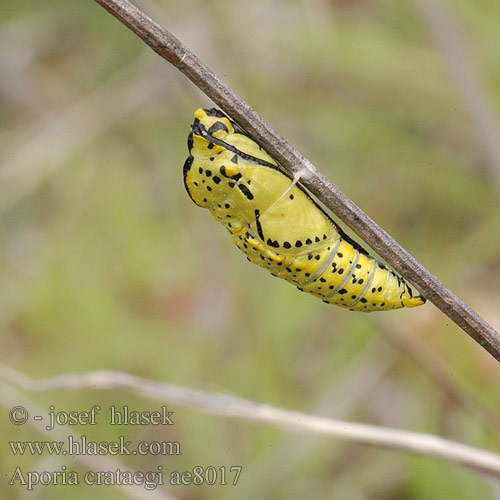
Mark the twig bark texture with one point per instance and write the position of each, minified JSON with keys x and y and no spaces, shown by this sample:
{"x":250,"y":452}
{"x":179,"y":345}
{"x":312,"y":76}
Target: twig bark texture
{"x":171,"y":49}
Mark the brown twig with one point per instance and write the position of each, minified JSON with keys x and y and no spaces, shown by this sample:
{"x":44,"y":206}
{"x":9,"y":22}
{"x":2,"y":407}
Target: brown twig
{"x":171,"y":49}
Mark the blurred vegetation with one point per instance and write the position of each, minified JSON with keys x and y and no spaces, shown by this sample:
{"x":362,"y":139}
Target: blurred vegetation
{"x":105,"y":263}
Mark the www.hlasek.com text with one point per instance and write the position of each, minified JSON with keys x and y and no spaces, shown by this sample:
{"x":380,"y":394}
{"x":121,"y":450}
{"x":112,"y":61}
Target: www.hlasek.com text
{"x":80,"y":445}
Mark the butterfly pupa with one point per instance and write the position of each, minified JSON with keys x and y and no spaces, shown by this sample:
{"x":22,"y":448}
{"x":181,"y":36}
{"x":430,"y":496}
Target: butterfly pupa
{"x":278,"y":226}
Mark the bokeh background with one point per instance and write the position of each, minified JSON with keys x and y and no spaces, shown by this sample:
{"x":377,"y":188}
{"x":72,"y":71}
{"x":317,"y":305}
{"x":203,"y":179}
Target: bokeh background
{"x":105,"y":263}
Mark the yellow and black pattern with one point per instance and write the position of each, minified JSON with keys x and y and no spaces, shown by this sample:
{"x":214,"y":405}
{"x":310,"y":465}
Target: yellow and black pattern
{"x":273,"y":221}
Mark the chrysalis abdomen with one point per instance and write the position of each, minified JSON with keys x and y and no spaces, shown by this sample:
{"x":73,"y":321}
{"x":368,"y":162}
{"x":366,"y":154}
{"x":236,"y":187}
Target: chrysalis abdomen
{"x":278,"y":226}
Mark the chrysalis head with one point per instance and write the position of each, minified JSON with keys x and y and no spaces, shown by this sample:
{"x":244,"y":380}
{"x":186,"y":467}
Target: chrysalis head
{"x":206,"y":143}
{"x":208,"y":122}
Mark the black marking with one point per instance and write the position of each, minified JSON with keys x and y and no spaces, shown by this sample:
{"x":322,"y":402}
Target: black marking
{"x":208,"y":173}
{"x":259,"y":225}
{"x":286,"y":244}
{"x":298,"y":243}
{"x":245,"y":191}
{"x":216,"y":127}
{"x":236,"y":177}
{"x":216,"y":179}
{"x":200,"y":130}
{"x":308,"y":241}
{"x":342,"y":291}
{"x":187,"y":167}
{"x":215,"y":112}
{"x":234,"y":159}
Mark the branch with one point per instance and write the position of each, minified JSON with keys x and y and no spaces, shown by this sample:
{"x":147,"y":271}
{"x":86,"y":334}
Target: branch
{"x":235,"y":407}
{"x":171,"y":49}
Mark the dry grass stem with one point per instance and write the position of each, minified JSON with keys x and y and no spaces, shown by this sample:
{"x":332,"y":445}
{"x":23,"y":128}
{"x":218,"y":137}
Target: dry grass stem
{"x":235,"y":407}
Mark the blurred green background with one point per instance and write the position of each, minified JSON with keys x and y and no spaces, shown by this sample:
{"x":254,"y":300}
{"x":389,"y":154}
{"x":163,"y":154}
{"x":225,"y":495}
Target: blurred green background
{"x":105,"y":263}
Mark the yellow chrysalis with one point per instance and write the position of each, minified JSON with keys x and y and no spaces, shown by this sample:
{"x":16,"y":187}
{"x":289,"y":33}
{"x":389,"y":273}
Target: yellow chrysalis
{"x":274,"y":222}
